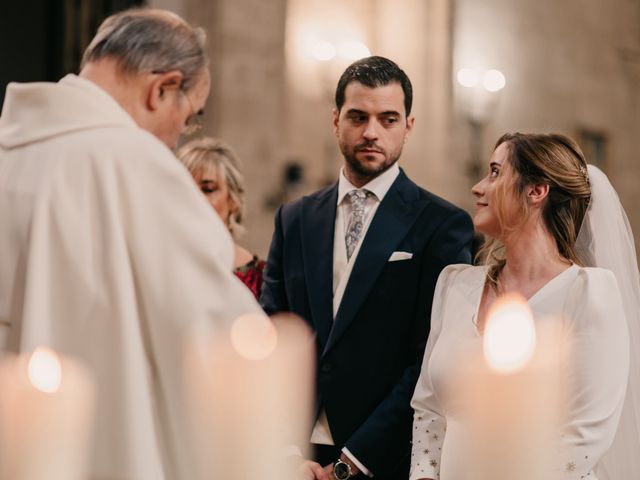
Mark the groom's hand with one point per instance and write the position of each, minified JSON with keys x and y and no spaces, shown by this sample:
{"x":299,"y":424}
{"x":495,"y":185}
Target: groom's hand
{"x":310,"y":470}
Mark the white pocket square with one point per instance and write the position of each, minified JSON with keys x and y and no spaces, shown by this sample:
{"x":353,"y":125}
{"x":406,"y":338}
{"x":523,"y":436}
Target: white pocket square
{"x":395,"y":256}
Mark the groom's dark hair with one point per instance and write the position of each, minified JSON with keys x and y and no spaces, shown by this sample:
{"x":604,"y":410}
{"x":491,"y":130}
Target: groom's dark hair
{"x":375,"y":72}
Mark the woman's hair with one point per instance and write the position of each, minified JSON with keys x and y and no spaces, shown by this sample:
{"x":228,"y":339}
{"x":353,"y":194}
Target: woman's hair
{"x":204,"y":154}
{"x":533,"y":159}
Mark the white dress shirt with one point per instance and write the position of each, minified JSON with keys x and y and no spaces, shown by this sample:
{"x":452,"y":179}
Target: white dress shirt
{"x":342,"y":266}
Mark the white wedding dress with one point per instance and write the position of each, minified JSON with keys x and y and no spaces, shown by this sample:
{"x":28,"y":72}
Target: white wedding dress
{"x":589,"y":301}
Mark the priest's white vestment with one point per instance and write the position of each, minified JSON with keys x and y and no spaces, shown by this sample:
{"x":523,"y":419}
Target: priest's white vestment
{"x":109,"y":253}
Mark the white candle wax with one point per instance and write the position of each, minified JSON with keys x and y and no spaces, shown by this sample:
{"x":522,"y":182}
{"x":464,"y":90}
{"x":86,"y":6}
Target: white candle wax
{"x":46,"y":408}
{"x":250,"y":391}
{"x":512,"y":397}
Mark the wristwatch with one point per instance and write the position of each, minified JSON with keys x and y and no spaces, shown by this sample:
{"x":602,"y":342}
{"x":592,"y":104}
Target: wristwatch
{"x":342,"y":470}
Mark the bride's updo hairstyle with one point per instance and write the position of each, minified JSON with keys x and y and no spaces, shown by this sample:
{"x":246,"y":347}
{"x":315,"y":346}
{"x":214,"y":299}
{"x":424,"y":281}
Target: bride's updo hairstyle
{"x":534,"y":159}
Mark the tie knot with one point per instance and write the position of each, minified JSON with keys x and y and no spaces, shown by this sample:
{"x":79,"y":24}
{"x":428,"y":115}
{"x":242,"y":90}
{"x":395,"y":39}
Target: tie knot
{"x":358,"y":196}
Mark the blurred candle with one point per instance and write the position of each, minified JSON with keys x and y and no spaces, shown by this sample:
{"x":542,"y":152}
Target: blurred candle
{"x":512,"y":395}
{"x":250,"y":396}
{"x":46,"y":409}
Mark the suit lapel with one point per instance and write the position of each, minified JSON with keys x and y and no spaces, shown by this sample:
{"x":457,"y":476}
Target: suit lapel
{"x":393,"y":219}
{"x":318,"y":223}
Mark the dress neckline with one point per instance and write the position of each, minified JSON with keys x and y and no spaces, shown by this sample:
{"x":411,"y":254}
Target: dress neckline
{"x":531,"y":300}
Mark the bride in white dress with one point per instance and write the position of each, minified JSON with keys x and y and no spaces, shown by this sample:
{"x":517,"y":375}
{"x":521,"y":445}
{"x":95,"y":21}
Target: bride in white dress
{"x":542,"y":214}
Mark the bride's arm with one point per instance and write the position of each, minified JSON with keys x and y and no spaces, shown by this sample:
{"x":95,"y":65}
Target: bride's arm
{"x":429,"y":424}
{"x":597,"y":372}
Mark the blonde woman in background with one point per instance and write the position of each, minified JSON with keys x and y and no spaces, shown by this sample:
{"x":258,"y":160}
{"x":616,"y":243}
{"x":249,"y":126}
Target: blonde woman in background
{"x":216,"y":170}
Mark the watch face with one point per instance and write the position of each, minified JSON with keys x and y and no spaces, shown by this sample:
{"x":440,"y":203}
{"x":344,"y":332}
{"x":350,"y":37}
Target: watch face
{"x":341,"y":470}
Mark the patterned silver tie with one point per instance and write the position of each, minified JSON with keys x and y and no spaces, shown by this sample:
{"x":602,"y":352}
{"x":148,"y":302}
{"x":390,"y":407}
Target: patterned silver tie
{"x":355,"y":225}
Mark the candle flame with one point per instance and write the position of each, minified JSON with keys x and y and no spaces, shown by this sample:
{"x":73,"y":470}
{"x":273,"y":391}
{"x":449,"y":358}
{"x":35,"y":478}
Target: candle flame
{"x":254,"y":336}
{"x":510,"y":336}
{"x":44,"y":370}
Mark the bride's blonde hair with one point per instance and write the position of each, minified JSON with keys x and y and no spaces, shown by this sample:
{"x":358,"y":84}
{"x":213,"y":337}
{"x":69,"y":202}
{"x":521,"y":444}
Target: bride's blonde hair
{"x":533,"y":159}
{"x":203,"y":154}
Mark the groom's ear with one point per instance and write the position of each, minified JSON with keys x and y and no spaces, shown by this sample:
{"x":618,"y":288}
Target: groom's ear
{"x":335,"y":118}
{"x":409,"y":126}
{"x":537,"y":193}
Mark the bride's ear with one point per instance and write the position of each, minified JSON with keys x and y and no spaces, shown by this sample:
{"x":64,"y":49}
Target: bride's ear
{"x":537,"y":193}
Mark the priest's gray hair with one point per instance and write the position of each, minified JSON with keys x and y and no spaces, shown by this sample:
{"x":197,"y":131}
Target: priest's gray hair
{"x":144,"y":40}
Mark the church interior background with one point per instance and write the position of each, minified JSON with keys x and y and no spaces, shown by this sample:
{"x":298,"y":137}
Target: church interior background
{"x":479,"y":68}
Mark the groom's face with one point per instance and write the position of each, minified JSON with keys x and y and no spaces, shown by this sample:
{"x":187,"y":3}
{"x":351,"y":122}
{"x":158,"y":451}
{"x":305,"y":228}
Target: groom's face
{"x":371,"y":128}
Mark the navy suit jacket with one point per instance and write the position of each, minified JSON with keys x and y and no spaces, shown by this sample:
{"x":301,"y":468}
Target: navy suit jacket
{"x":369,"y":357}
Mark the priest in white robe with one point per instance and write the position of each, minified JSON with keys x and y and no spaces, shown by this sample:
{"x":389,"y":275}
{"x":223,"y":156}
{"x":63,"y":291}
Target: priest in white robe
{"x":107,"y":250}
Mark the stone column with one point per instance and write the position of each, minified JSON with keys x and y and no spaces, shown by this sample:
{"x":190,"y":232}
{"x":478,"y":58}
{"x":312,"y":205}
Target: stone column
{"x":246,"y":104}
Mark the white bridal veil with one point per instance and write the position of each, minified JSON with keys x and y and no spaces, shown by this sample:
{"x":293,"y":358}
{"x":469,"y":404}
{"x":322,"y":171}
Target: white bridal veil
{"x":605,"y":240}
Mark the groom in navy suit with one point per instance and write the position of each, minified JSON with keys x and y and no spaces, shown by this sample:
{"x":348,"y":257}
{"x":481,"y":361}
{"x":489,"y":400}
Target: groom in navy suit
{"x":359,"y":262}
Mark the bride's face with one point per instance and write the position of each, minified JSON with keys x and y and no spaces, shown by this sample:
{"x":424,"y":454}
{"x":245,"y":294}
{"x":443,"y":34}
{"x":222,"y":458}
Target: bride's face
{"x":495,"y":195}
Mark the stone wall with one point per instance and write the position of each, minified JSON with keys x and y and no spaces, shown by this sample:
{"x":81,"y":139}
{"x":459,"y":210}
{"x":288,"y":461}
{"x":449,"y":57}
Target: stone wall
{"x":247,"y":102}
{"x":571,"y":66}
